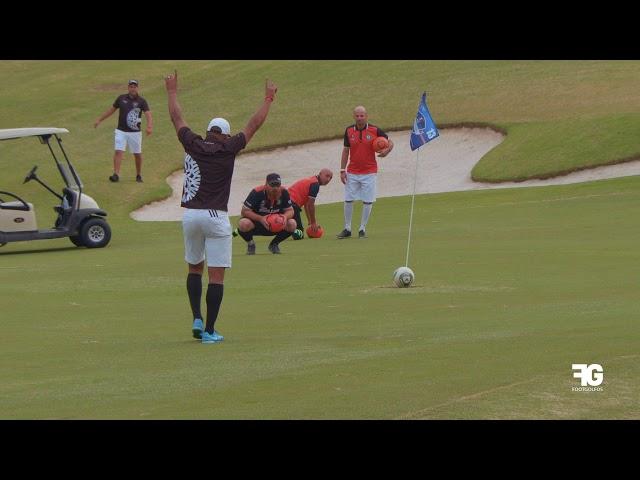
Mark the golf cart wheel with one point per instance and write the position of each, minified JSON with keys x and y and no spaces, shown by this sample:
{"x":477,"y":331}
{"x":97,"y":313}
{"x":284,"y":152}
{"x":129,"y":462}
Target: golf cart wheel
{"x":75,"y":239}
{"x":95,"y":233}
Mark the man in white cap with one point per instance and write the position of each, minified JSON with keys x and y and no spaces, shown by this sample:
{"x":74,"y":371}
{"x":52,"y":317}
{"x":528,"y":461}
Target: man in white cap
{"x":208,"y":168}
{"x":221,"y":124}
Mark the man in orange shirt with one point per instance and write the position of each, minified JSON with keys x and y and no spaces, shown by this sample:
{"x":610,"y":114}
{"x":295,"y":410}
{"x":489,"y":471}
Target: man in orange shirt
{"x":303,"y":195}
{"x":359,"y":177}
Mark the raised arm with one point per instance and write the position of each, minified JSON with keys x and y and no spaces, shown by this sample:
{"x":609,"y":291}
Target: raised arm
{"x":258,"y":118}
{"x":106,"y":114}
{"x":175,"y":111}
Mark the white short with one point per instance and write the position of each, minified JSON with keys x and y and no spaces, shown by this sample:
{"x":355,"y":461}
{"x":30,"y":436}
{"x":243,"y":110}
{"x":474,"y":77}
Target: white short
{"x":131,"y":139}
{"x":360,"y":187}
{"x":207,"y":231}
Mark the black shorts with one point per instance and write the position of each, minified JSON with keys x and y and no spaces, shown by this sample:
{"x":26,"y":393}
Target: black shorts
{"x":261,"y":231}
{"x":297,"y":217}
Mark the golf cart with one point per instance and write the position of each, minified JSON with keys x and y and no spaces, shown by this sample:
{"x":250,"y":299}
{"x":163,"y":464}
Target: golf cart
{"x":78,"y":215}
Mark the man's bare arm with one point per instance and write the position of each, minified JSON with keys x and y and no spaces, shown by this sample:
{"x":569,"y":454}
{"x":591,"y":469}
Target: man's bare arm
{"x":386,"y":151}
{"x":343,"y":164}
{"x":149,"y":118}
{"x":288,"y":213}
{"x":106,"y":114}
{"x":310,"y":210}
{"x":175,"y":111}
{"x":258,"y":118}
{"x":253,"y":216}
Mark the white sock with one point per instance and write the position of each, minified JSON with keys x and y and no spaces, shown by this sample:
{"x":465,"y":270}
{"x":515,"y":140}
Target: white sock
{"x":366,"y":212}
{"x":348,"y":214}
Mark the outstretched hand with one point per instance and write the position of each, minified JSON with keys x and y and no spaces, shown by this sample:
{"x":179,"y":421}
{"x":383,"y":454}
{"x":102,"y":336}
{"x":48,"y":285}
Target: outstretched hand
{"x":270,"y":88}
{"x":171,"y":82}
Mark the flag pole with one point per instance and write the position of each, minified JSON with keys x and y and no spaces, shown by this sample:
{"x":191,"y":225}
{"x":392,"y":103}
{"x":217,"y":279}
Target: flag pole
{"x":413,"y":198}
{"x":421,"y":136}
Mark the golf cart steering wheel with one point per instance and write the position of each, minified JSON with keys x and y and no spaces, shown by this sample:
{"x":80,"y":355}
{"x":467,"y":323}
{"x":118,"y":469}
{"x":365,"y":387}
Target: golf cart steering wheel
{"x":31,"y":176}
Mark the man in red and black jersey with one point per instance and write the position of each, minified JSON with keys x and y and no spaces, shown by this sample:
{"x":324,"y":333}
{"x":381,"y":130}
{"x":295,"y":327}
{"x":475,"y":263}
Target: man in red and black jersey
{"x":303,"y":195}
{"x":263,"y":200}
{"x":359,"y":177}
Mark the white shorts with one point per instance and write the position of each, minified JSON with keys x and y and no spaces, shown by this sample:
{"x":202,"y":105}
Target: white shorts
{"x":131,"y":139}
{"x":207,"y":231}
{"x":360,"y":187}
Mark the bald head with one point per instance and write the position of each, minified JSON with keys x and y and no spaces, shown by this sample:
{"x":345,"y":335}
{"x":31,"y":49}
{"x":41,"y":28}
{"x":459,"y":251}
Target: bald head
{"x":360,"y":116}
{"x":325,"y":176}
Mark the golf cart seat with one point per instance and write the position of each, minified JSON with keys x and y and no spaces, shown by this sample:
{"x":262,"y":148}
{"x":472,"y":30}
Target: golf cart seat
{"x":16,"y":206}
{"x":17,"y":217}
{"x":68,"y":201}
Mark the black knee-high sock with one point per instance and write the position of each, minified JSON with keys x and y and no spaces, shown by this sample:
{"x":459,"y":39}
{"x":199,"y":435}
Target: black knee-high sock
{"x":248,"y":236}
{"x":194,"y":289}
{"x":283,"y":235}
{"x":214,"y":299}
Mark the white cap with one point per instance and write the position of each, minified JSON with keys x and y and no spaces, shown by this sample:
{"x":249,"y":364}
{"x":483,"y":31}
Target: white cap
{"x":222,"y":124}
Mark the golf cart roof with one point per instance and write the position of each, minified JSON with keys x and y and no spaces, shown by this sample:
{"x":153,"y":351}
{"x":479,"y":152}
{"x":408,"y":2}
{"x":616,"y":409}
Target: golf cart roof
{"x":10,"y":133}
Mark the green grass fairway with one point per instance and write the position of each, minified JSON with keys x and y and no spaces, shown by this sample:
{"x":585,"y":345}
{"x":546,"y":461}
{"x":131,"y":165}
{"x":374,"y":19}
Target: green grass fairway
{"x":512,"y":287}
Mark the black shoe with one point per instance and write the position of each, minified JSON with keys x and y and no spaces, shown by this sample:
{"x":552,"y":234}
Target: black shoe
{"x":251,"y":248}
{"x":274,"y":248}
{"x":344,"y":234}
{"x":138,"y":178}
{"x":361,"y":234}
{"x":114,"y":177}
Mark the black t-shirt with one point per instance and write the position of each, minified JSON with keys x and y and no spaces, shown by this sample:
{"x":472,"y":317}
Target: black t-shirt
{"x":258,"y":202}
{"x":129,"y":118}
{"x":208,"y":168}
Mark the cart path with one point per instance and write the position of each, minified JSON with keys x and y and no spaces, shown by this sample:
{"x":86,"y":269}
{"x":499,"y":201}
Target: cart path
{"x":445,"y":166}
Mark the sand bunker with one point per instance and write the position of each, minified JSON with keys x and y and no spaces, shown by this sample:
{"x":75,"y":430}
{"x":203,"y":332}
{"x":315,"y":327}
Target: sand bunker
{"x":445,"y":166}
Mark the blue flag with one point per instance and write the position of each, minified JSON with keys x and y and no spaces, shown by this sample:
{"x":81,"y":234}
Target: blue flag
{"x":424,"y":130}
